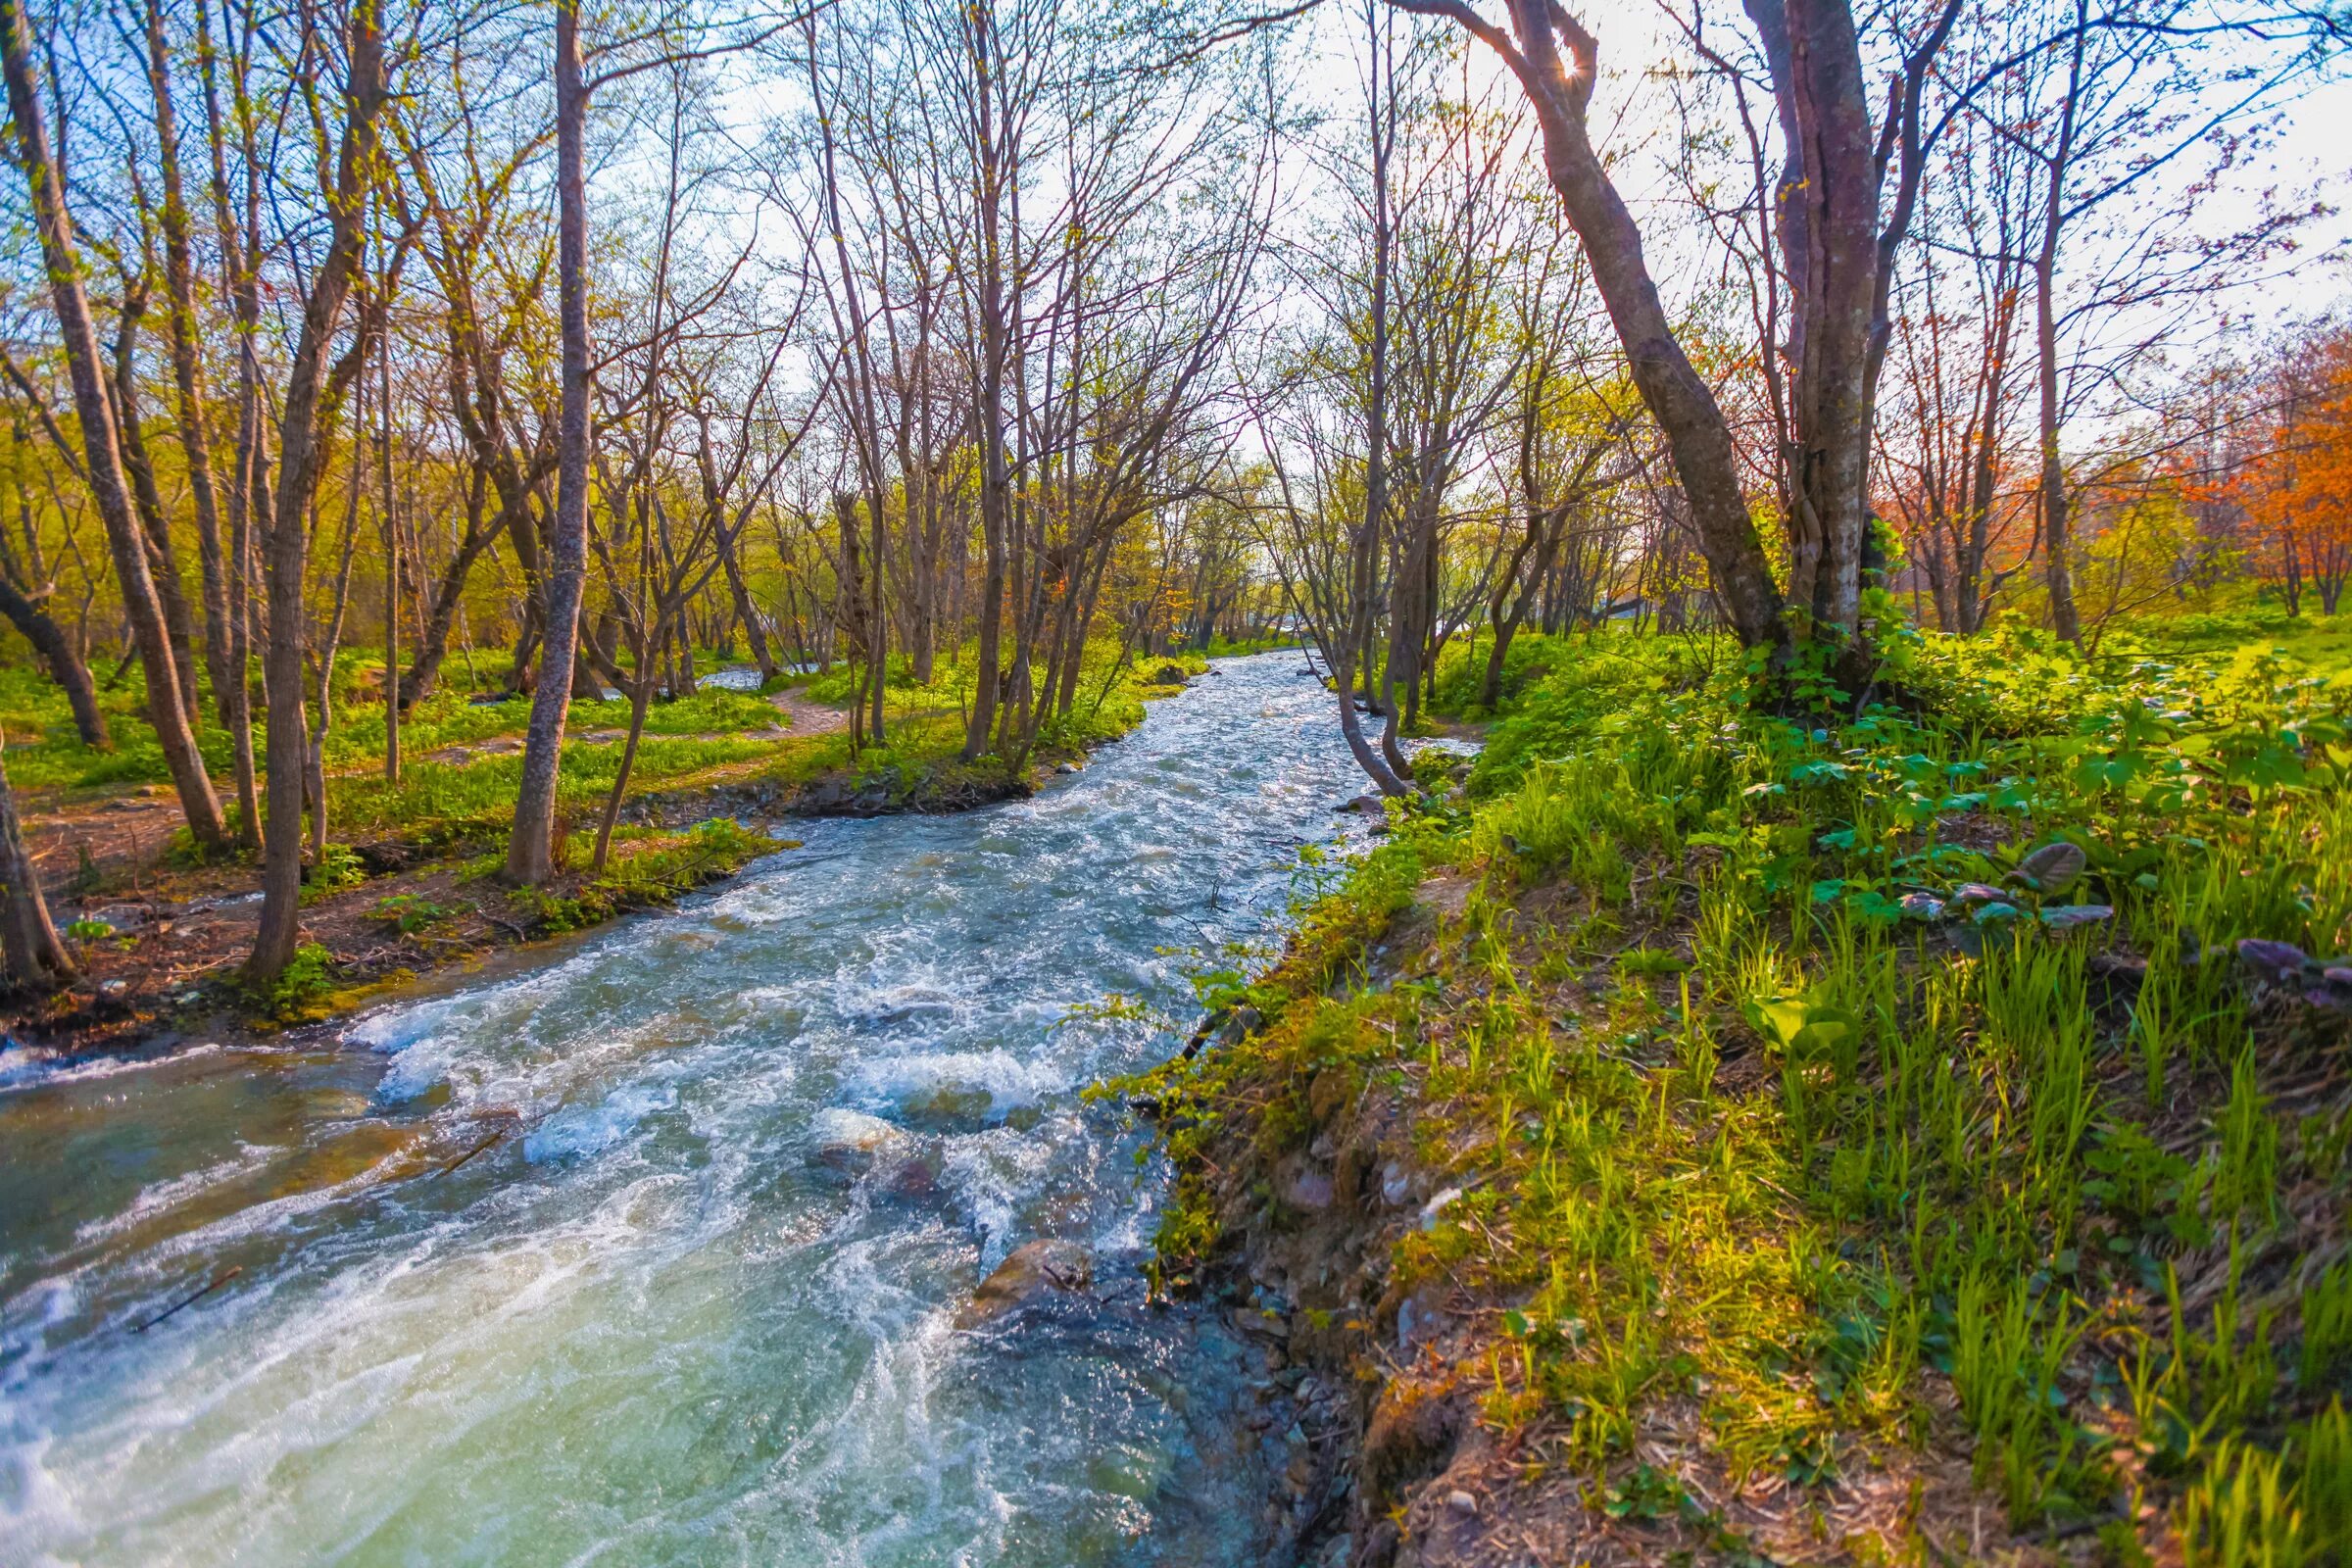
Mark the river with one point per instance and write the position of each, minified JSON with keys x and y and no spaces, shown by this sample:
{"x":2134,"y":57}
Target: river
{"x":537,"y":1268}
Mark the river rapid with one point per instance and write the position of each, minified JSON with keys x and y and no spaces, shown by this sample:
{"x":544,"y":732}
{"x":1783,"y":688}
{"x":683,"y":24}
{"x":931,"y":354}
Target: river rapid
{"x":538,"y":1269}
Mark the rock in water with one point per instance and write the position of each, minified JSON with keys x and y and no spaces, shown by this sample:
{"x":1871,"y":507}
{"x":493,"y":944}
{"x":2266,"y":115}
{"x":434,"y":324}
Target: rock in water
{"x":850,"y":1141}
{"x":1032,"y":1275}
{"x":913,"y":1180}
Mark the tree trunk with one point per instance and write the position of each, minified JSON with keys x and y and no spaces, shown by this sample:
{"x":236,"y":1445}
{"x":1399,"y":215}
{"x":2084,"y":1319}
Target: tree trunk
{"x":1829,"y":210}
{"x":383,"y":459}
{"x":104,"y":458}
{"x":2058,"y":563}
{"x":163,"y":561}
{"x":641,"y":692}
{"x":1698,"y":435}
{"x":432,"y":639}
{"x":72,"y":675}
{"x":300,"y":458}
{"x":186,"y":369}
{"x":1355,"y":638}
{"x":36,"y":959}
{"x":1508,"y":609}
{"x":995,"y":478}
{"x":745,"y":611}
{"x":2057,"y":543}
{"x":530,"y":850}
{"x":233,"y":699}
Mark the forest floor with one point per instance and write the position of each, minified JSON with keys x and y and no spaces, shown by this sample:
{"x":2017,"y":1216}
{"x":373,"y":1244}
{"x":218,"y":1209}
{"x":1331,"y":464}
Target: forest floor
{"x":408,"y":886}
{"x":1698,"y":1134}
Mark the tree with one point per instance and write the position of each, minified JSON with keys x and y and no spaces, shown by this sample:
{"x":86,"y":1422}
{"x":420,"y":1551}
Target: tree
{"x":102,"y":455}
{"x":1835,"y":243}
{"x":530,"y":848}
{"x":2296,"y":490}
{"x":307,"y":416}
{"x":36,"y":959}
{"x":1953,"y":475}
{"x":2114,"y":107}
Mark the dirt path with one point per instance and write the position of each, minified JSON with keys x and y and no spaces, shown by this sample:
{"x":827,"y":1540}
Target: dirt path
{"x":808,"y":717}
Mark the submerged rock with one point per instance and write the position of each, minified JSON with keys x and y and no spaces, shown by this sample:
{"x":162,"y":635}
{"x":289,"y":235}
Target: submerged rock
{"x":948,"y":1108}
{"x":911,"y":1180}
{"x":1034,"y":1274}
{"x":852,"y":1142}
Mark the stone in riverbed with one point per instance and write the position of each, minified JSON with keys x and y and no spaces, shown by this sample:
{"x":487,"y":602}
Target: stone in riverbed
{"x":852,"y":1142}
{"x":1034,"y":1274}
{"x":912,"y":1180}
{"x":948,"y":1108}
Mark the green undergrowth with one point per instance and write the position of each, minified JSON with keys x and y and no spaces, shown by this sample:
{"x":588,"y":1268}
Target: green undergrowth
{"x":1789,"y":1074}
{"x":1223,"y":647}
{"x":1108,"y":700}
{"x":451,"y":796}
{"x":452,"y":803}
{"x":448,"y":718}
{"x":648,"y":868}
{"x":44,"y":752}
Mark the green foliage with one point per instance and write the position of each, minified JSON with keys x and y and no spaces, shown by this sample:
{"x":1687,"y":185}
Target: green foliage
{"x":649,"y":869}
{"x":408,"y":913}
{"x":447,"y":803}
{"x":2015,"y":1080}
{"x":1550,"y":718}
{"x":302,"y":988}
{"x":338,"y":868}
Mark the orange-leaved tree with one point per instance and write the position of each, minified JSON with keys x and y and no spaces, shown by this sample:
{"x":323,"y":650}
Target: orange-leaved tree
{"x":2297,"y":491}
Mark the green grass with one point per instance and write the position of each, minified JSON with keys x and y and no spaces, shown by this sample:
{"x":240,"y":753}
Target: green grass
{"x":1222,"y":646}
{"x":1953,"y":1152}
{"x":649,"y":869}
{"x":451,"y":801}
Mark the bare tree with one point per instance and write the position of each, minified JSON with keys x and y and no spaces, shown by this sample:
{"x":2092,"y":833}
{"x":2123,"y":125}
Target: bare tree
{"x":530,"y":856}
{"x":306,"y":422}
{"x":36,"y":959}
{"x":102,"y":457}
{"x":1837,"y":239}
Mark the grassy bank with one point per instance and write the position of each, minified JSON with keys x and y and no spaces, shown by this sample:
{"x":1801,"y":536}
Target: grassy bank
{"x":1840,"y":1137}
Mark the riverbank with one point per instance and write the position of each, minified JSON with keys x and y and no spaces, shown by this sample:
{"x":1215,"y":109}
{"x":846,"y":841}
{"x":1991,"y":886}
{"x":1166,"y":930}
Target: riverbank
{"x":160,"y":936}
{"x":1720,"y":1138}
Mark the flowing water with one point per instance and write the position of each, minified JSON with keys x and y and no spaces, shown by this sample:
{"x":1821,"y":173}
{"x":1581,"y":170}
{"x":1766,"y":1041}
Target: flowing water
{"x":538,"y":1269}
